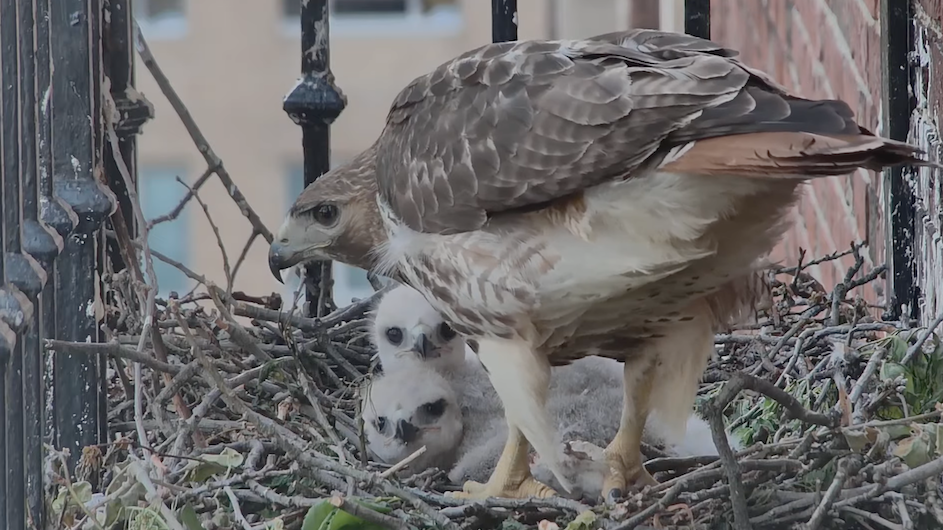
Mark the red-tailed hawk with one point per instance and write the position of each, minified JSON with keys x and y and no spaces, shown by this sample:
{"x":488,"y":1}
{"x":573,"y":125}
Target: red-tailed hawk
{"x":556,"y":199}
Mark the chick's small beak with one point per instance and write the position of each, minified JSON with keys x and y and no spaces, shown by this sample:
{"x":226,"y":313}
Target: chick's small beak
{"x":406,"y":431}
{"x":422,"y":344}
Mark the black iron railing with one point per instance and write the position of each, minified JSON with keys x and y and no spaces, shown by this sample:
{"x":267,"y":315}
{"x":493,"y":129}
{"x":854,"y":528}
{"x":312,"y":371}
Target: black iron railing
{"x":314,"y":104}
{"x":54,"y":199}
{"x":697,"y":18}
{"x":897,"y":43}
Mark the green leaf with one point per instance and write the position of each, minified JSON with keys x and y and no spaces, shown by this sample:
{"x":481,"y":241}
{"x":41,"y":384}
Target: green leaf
{"x":189,"y":518}
{"x":891,"y":370}
{"x":857,"y":439}
{"x":896,"y":348}
{"x":583,"y":521}
{"x":214,"y":464}
{"x":228,"y":457}
{"x":511,"y":524}
{"x":914,"y":451}
{"x":275,"y":524}
{"x":267,"y":370}
{"x":326,"y":516}
{"x":375,"y":506}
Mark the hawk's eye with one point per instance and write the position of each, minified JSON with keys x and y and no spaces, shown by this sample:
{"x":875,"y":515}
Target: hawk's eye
{"x":381,"y":423}
{"x":326,"y":214}
{"x":446,"y":331}
{"x":434,"y":409}
{"x":395,"y":336}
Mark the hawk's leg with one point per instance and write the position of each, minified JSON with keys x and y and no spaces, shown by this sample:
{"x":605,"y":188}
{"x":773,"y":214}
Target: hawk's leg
{"x":511,"y":476}
{"x":521,"y":378}
{"x":624,"y":454}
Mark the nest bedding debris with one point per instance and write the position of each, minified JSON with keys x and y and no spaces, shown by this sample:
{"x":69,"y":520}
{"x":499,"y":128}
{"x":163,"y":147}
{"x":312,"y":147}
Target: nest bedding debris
{"x":255,"y":426}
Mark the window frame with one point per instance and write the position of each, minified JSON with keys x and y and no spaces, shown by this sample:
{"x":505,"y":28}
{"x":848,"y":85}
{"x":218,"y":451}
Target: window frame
{"x":168,"y":27}
{"x":412,"y":23}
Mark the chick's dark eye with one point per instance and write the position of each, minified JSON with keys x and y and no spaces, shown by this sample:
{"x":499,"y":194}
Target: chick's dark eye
{"x":381,"y":423}
{"x":395,"y":336}
{"x":446,"y":331}
{"x":434,"y":409}
{"x":326,"y":214}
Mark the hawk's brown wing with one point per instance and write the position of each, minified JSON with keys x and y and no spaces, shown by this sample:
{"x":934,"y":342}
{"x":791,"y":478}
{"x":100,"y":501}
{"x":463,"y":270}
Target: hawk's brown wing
{"x":512,"y":126}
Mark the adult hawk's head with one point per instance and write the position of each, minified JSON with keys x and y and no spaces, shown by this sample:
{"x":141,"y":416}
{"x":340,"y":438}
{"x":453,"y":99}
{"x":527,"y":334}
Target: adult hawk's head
{"x":556,"y":199}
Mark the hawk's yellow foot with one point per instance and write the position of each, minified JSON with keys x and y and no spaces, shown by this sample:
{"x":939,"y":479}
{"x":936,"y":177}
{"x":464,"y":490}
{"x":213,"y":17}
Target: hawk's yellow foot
{"x":511,"y":477}
{"x":529,"y":488}
{"x":625,"y":472}
{"x":624,"y":453}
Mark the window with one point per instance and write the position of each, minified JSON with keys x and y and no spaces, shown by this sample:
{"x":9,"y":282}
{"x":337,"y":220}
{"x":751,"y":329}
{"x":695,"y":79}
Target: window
{"x":161,"y":19}
{"x":383,"y":16}
{"x":160,"y":193}
{"x":294,"y":183}
{"x":349,"y":283}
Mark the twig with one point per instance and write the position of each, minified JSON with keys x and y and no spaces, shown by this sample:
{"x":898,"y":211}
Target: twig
{"x":403,"y":463}
{"x":236,"y":509}
{"x":858,"y":390}
{"x":714,"y":411}
{"x":840,"y":290}
{"x":244,"y":254}
{"x":661,"y":504}
{"x":203,"y":145}
{"x":238,"y":333}
{"x":367,"y":514}
{"x":150,"y":285}
{"x":742,"y":381}
{"x":918,"y":346}
{"x":115,"y":350}
{"x":901,"y":506}
{"x":227,"y":270}
{"x":845,"y":467}
{"x":872,"y":517}
{"x":173,"y":214}
{"x":141,"y":474}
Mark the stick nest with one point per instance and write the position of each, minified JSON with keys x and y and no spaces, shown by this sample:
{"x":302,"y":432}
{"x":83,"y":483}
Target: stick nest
{"x":247,"y":418}
{"x":231,"y":411}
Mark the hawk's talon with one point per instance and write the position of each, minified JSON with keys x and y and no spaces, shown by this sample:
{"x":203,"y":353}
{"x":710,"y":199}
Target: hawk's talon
{"x":529,"y":488}
{"x":625,"y":476}
{"x":614,"y":496}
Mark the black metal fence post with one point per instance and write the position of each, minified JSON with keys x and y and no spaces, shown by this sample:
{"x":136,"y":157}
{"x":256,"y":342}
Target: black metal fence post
{"x":897,"y":36}
{"x":77,"y":140}
{"x":314,"y":104}
{"x":697,"y":18}
{"x":503,"y":20}
{"x":26,"y":244}
{"x":133,"y":112}
{"x":53,"y":200}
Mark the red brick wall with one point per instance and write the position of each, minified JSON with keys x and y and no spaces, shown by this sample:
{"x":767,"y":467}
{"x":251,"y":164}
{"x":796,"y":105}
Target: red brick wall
{"x":819,"y":49}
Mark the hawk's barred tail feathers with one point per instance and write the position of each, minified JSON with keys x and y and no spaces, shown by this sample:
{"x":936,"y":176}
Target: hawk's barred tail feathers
{"x":801,"y":155}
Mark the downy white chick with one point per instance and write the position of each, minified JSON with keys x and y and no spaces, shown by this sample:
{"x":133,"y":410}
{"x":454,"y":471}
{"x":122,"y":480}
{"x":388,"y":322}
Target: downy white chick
{"x":407,"y":409}
{"x":584,"y":400}
{"x":406,"y":330}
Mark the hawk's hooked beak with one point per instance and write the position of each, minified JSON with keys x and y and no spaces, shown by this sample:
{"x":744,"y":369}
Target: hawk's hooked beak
{"x":295,"y":243}
{"x":406,"y":431}
{"x":421,"y":342}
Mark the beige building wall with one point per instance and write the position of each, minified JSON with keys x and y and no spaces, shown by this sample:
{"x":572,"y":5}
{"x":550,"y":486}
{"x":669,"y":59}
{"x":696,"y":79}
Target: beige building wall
{"x":233,"y":61}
